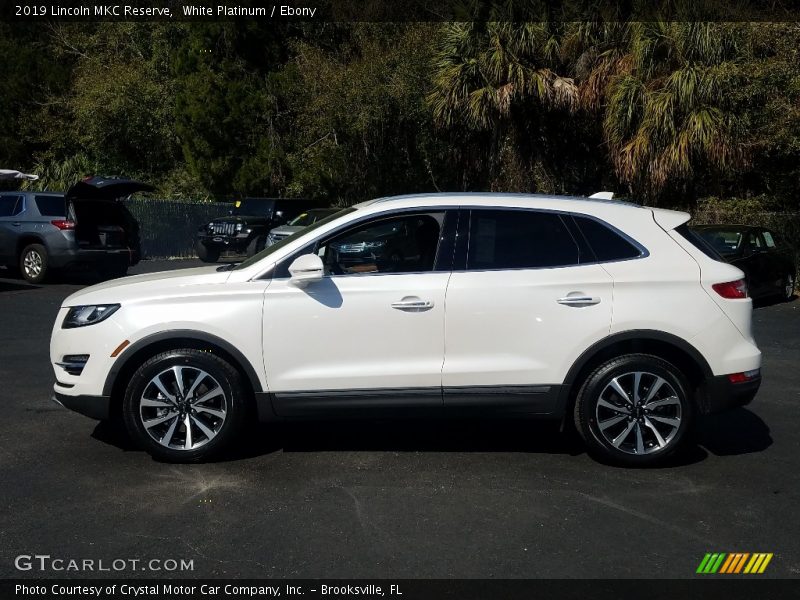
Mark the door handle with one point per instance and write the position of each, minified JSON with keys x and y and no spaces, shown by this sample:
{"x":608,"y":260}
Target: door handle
{"x":412,"y":304}
{"x":578,"y":300}
{"x":16,"y":224}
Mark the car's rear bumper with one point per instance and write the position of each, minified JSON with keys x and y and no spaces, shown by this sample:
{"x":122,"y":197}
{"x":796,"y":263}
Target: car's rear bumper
{"x":95,"y":407}
{"x":722,"y":394}
{"x":94,"y":257}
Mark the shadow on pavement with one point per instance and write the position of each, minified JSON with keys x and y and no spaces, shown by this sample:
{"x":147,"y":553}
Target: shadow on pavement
{"x":735,"y":432}
{"x":13,"y":286}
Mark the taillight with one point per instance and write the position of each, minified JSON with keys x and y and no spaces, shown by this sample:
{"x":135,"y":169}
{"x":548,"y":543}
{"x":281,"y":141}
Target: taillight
{"x":731,"y":289}
{"x":743,"y":377}
{"x":62,"y":224}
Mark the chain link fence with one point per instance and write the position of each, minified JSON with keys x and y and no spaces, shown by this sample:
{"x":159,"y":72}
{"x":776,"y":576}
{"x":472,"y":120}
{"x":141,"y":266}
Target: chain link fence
{"x":167,"y":227}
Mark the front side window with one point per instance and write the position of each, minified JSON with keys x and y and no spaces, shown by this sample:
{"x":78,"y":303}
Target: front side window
{"x":402,"y":244}
{"x":519,"y":239}
{"x":10,"y":205}
{"x":755,"y":243}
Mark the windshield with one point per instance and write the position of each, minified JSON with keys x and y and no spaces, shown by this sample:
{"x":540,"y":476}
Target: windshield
{"x":302,"y":220}
{"x":724,"y":241}
{"x":300,"y":234}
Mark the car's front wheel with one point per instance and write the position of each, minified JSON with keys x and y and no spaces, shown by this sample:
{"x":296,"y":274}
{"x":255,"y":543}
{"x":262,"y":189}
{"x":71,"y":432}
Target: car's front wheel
{"x":185,"y":405}
{"x":209,"y":254}
{"x":634,"y":410}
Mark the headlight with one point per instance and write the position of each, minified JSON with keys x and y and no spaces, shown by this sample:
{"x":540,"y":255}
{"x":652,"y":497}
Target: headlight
{"x":239,"y":227}
{"x":80,"y":316}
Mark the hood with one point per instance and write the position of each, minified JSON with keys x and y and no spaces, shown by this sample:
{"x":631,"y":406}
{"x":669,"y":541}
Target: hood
{"x":284,"y":229}
{"x":103,"y":188}
{"x":148,"y":285}
{"x":241,"y":219}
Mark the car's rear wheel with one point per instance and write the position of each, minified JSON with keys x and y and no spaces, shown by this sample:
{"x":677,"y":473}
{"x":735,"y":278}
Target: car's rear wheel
{"x":185,"y":405}
{"x":207,"y":254}
{"x":634,"y":410}
{"x":34,"y":263}
{"x":788,"y":286}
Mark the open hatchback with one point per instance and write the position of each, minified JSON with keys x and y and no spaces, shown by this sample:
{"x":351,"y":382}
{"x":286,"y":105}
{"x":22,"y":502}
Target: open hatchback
{"x":101,"y":220}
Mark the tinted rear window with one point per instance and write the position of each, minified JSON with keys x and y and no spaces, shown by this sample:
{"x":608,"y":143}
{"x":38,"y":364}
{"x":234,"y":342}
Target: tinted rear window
{"x":51,"y":206}
{"x":698,"y":242}
{"x":607,"y":244}
{"x":521,"y":239}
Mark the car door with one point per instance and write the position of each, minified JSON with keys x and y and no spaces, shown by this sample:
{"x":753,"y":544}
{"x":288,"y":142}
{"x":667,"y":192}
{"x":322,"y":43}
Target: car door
{"x":755,"y":263}
{"x":775,"y":262}
{"x":11,"y":205}
{"x":520,"y":309}
{"x":370,"y":335}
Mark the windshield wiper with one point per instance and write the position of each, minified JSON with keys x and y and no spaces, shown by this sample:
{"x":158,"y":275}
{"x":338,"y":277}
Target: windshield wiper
{"x":228,"y":267}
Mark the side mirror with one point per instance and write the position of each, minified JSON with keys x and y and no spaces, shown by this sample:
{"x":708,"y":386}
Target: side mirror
{"x":306,"y":269}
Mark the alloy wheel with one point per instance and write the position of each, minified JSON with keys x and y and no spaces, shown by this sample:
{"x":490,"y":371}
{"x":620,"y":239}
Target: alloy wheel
{"x":32,"y":263}
{"x":638,"y":413}
{"x":183,"y":408}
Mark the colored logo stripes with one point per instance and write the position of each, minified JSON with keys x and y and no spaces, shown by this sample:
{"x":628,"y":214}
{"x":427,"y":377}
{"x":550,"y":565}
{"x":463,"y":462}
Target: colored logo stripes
{"x":734,"y":563}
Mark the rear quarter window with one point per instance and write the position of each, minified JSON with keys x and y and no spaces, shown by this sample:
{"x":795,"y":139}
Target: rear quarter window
{"x":607,"y":244}
{"x":51,"y":206}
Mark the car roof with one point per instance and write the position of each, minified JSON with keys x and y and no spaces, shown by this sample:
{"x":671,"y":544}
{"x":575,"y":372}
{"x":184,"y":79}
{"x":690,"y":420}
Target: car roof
{"x":505,"y":198}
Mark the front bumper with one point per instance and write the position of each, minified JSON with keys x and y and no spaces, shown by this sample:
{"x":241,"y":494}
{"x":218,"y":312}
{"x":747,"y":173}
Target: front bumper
{"x":239,"y":240}
{"x":722,"y":394}
{"x":95,"y":407}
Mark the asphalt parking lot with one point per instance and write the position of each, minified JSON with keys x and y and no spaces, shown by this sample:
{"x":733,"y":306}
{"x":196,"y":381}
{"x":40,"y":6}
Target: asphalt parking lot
{"x":392,"y":500}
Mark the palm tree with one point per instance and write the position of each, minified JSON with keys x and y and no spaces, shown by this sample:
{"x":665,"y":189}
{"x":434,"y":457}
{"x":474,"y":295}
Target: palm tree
{"x":662,"y":89}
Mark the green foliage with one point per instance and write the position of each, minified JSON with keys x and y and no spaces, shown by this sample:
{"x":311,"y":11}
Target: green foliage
{"x":665,"y":112}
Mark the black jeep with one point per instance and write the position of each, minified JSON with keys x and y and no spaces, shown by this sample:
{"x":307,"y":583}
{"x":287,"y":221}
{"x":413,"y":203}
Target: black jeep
{"x":245,"y":229}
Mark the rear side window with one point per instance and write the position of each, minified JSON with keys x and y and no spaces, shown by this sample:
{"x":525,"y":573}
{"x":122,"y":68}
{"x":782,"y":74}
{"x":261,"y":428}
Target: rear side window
{"x":769,"y":239}
{"x":10,"y":205}
{"x":698,"y":242}
{"x":607,"y":244}
{"x":519,"y":239}
{"x":51,"y":206}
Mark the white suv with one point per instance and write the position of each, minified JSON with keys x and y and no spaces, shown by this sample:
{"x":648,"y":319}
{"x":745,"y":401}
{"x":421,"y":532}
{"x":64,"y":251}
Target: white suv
{"x":607,"y":313}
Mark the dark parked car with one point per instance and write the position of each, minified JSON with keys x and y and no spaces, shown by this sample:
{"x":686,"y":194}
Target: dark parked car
{"x":245,"y":229}
{"x":42,"y":232}
{"x":767,"y":263}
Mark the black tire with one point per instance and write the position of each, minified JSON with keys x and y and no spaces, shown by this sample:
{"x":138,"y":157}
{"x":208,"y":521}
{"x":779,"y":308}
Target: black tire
{"x":206,"y":254}
{"x":34,"y":263}
{"x":789,"y":283}
{"x":640,"y":446}
{"x":256,"y":245}
{"x":163,"y":441}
